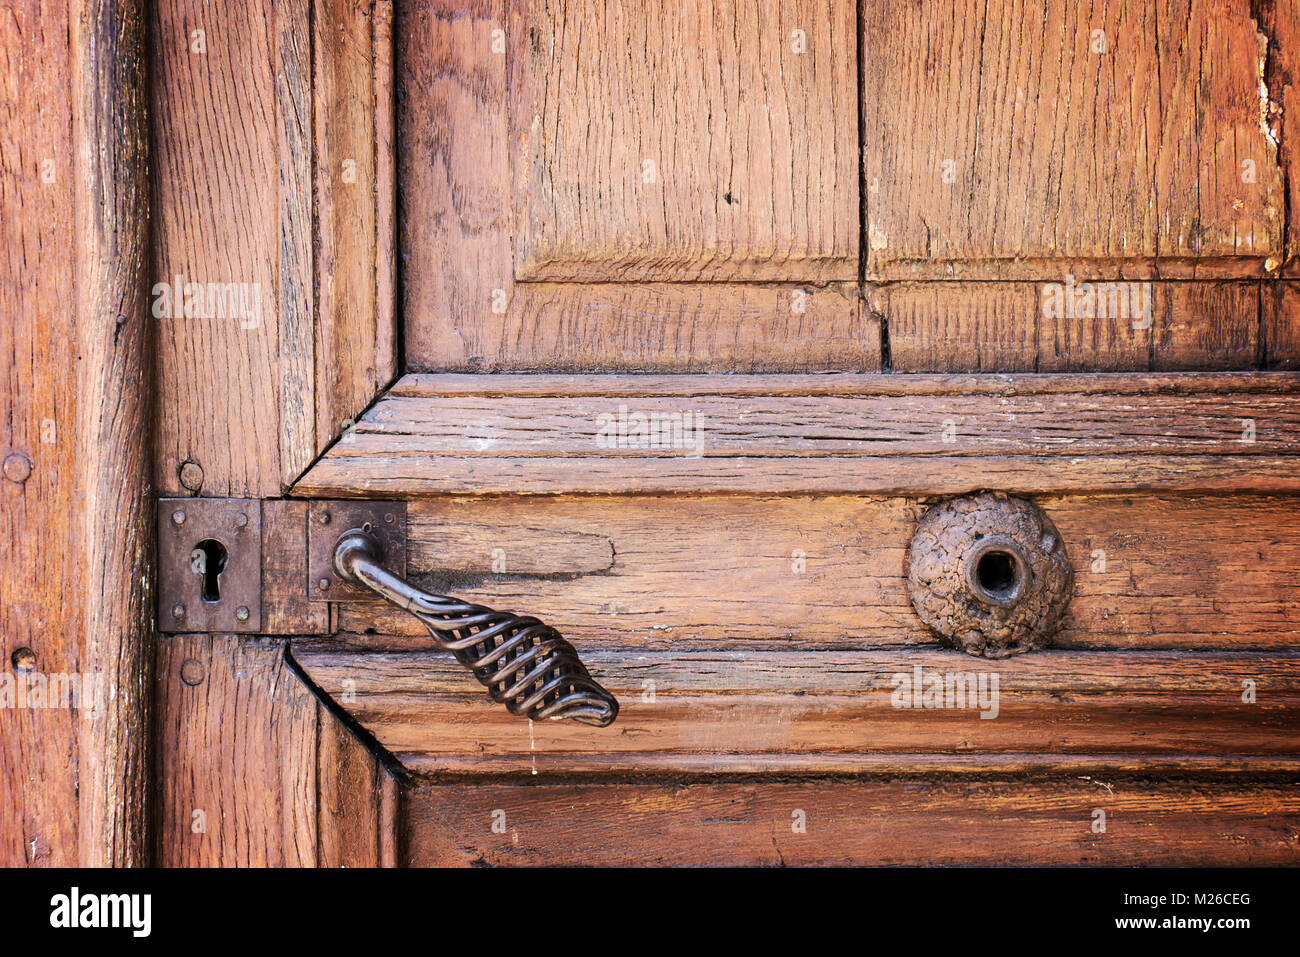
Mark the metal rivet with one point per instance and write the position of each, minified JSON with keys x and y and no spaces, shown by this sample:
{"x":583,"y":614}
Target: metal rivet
{"x":23,"y":659}
{"x":178,"y":518}
{"x":17,"y":467}
{"x":241,"y":520}
{"x":242,"y":613}
{"x":191,"y":474}
{"x":323,"y":584}
{"x":324,"y":518}
{"x":389,"y":518}
{"x":192,"y":672}
{"x":178,"y":611}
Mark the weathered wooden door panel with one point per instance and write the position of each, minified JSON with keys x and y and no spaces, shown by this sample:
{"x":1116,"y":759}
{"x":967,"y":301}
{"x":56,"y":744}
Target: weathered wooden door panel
{"x":356,"y":204}
{"x":568,"y":175}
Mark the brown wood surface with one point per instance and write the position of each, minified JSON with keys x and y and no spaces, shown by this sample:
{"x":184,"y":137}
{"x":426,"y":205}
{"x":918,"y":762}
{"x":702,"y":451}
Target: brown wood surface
{"x":740,"y":186}
{"x":1280,"y":321}
{"x":831,"y":711}
{"x":849,"y":821}
{"x":76,"y":519}
{"x":846,"y":434}
{"x":115,"y":418}
{"x":1178,"y":572}
{"x":463,"y":309}
{"x":1061,"y":159}
{"x":253,"y":770}
{"x":248,"y":191}
{"x":1002,"y":327}
{"x":38,"y":421}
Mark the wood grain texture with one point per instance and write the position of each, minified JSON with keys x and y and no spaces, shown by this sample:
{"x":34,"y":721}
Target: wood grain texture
{"x":217,"y":195}
{"x":855,"y":821}
{"x":641,"y":152}
{"x":249,"y":192}
{"x":115,"y":418}
{"x":39,"y":422}
{"x":285,"y":608}
{"x":828,"y":572}
{"x":240,"y":783}
{"x":1004,"y":144}
{"x":1280,"y":24}
{"x":854,"y":433}
{"x":1015,"y":327}
{"x":829,"y":711}
{"x":356,"y":343}
{"x":1280,"y":315}
{"x":463,"y":309}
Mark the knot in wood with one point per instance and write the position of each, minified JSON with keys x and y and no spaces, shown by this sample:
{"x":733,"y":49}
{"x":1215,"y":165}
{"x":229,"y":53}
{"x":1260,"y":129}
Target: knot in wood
{"x":989,"y":574}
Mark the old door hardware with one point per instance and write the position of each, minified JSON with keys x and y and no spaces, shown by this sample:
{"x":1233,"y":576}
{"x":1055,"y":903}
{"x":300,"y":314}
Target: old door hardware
{"x":326,"y":520}
{"x":989,"y":574}
{"x":524,"y":663}
{"x":210,"y":565}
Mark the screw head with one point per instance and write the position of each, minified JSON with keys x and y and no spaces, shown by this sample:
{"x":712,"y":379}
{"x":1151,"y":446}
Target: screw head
{"x":192,"y":671}
{"x":178,"y":518}
{"x":323,"y":584}
{"x":324,"y":518}
{"x":242,"y":613}
{"x":191,"y":475}
{"x":23,"y":659}
{"x":241,"y":520}
{"x":17,"y":467}
{"x":178,"y":611}
{"x":389,"y":518}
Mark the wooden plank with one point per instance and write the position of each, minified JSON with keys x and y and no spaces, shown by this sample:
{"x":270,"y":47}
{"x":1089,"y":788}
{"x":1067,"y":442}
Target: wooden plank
{"x":853,"y":821}
{"x":39,"y":440}
{"x":216,"y":223}
{"x":454,"y":170}
{"x":685,"y":176}
{"x":356,"y":351}
{"x":462,"y":307}
{"x":766,"y":436}
{"x":981,"y":133}
{"x":1151,"y":572}
{"x":1280,"y":320}
{"x":1020,"y":327}
{"x":274,"y":246}
{"x":1280,"y":24}
{"x":115,"y":415}
{"x":829,"y":711}
{"x":663,"y":327}
{"x":236,"y":741}
{"x":352,"y":830}
{"x":253,"y":770}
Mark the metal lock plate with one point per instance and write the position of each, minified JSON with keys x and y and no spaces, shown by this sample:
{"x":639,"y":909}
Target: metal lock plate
{"x":329,"y":521}
{"x":210,"y":565}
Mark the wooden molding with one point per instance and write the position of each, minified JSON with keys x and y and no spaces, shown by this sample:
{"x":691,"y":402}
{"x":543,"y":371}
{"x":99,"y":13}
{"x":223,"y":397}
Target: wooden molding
{"x":911,"y":435}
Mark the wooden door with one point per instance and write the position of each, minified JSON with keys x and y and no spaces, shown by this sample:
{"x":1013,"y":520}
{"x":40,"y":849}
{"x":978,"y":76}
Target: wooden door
{"x":678,"y":326}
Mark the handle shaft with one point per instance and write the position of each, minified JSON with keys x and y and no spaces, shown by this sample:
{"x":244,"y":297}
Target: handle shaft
{"x":523,"y":662}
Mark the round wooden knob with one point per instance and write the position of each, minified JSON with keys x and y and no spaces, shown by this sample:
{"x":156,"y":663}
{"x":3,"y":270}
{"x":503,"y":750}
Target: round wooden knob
{"x":989,"y":574}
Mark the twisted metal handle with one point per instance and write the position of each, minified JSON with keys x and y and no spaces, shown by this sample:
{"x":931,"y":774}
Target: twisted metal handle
{"x":523,"y":662}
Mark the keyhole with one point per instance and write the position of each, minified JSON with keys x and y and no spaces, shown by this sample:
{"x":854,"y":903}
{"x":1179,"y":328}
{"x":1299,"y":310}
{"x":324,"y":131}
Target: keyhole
{"x":208,"y":561}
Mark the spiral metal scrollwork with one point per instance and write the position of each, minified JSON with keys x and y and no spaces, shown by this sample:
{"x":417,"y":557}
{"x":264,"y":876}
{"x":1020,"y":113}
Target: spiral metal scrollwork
{"x":524,"y":663}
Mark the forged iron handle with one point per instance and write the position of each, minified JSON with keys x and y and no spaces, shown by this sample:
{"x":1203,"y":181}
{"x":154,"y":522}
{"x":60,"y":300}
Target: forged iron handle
{"x":523,"y":662}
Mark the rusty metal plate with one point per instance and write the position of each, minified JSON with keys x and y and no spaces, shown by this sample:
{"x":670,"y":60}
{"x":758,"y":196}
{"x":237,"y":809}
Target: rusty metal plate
{"x":210,"y":565}
{"x":328,"y":521}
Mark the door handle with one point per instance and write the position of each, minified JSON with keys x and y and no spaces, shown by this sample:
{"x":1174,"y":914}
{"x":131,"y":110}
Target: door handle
{"x":523,"y":662}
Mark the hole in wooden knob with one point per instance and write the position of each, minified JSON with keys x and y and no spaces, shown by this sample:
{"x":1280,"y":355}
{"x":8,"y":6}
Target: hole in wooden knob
{"x":988,"y":574}
{"x":997,"y":571}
